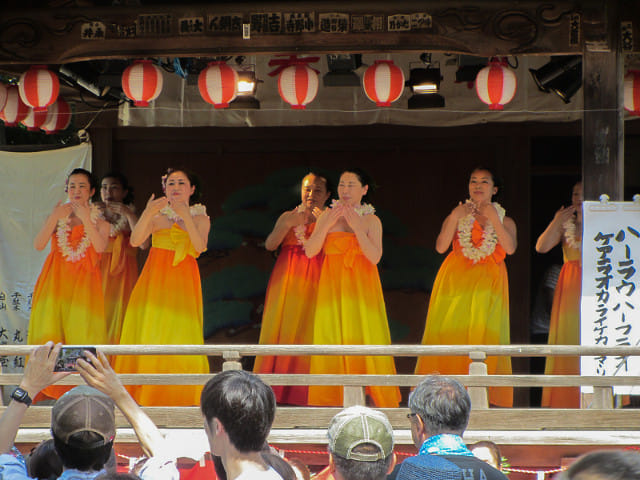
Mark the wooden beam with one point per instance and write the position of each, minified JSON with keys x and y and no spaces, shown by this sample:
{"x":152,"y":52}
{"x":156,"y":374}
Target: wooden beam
{"x":603,"y":119}
{"x":499,"y":27}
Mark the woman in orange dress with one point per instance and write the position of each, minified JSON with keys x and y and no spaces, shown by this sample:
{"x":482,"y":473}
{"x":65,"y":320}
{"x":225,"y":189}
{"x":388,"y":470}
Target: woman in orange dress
{"x":119,"y":263}
{"x":166,"y":304}
{"x":290,"y":300}
{"x":469,"y":301}
{"x":350,"y":305}
{"x":564,"y":325}
{"x":68,"y":305}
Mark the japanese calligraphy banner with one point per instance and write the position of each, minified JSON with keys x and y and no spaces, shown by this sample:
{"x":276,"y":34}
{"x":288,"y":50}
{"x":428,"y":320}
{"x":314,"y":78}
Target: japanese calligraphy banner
{"x":610,"y":306}
{"x":32,"y":183}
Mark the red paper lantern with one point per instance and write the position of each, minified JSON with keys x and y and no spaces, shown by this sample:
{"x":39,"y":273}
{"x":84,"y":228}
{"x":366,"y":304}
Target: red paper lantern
{"x":218,"y":84}
{"x":298,"y":85}
{"x":39,"y":87}
{"x":142,"y":82}
{"x":58,"y":117}
{"x":14,"y":109}
{"x":34,"y":119}
{"x":496,"y":84}
{"x":383,"y":82}
{"x":632,"y":92}
{"x":3,"y":95}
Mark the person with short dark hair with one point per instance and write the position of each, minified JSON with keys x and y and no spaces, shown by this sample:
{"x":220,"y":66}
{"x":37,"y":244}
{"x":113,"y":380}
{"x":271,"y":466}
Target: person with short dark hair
{"x":360,"y":444}
{"x":469,"y":302}
{"x":605,"y":465}
{"x":82,"y":422}
{"x":238,"y":409}
{"x":165,"y":306}
{"x":290,"y":299}
{"x":68,"y":303}
{"x":440,"y":408}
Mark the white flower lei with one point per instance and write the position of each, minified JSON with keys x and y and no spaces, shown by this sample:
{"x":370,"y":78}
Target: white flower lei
{"x":117,"y":222}
{"x":62,"y":234}
{"x":300,"y":231}
{"x":489,"y":237}
{"x":197,"y":209}
{"x":362,"y":209}
{"x":569,"y":228}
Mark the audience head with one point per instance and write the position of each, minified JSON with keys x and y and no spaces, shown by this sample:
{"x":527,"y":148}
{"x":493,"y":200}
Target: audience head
{"x":361,"y":444}
{"x":438,"y":405}
{"x":605,"y":465}
{"x":240,"y":407}
{"x":83,"y":428}
{"x":118,"y":476}
{"x":488,"y":452}
{"x":44,"y":462}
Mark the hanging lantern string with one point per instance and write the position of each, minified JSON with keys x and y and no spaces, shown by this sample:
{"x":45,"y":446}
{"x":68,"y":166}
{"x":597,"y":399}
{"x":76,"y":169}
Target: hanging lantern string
{"x":292,"y":60}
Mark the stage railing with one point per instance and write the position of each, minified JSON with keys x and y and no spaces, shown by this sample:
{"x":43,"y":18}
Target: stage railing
{"x":598,"y":422}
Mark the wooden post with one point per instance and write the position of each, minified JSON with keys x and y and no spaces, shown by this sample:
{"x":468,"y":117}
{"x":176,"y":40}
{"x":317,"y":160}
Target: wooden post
{"x":231,"y":361}
{"x":603,"y":119}
{"x":602,"y":397}
{"x":353,"y":396}
{"x":479,"y":395}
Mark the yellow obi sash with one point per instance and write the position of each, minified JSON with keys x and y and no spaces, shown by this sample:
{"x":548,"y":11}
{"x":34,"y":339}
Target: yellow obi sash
{"x":175,"y":239}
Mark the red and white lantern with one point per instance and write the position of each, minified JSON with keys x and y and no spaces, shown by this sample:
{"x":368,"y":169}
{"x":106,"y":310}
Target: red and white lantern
{"x":34,"y":119}
{"x":383,"y":82}
{"x":58,"y":117}
{"x":496,"y":84}
{"x":3,"y":95}
{"x":14,"y":109}
{"x":632,"y":92}
{"x":142,"y":82}
{"x":218,"y":84}
{"x":298,"y":85}
{"x":39,"y":87}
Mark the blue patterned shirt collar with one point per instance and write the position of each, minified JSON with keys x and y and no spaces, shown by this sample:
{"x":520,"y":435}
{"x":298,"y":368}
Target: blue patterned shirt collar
{"x":445,"y":444}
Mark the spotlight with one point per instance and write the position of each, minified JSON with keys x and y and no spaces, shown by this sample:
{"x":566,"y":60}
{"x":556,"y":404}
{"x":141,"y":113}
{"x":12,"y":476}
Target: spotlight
{"x":561,"y":75}
{"x":246,"y":90}
{"x":247,"y":83}
{"x":425,"y":85}
{"x":341,"y":70}
{"x":468,"y":67}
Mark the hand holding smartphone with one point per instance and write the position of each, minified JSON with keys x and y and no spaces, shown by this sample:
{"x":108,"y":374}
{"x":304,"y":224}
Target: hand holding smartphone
{"x":69,"y":355}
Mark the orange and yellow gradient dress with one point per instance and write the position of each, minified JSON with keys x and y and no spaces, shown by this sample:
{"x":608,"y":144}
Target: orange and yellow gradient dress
{"x":288,"y":313}
{"x":165,"y":308}
{"x":68,"y":305}
{"x":564,"y":329}
{"x":350,"y":310}
{"x":119,"y":267}
{"x":469,"y":305}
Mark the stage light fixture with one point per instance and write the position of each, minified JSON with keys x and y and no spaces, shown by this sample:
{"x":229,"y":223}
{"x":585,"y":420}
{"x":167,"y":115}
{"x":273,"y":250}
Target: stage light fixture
{"x":342,"y":70}
{"x":425,"y":85}
{"x":246,"y":90}
{"x":468,"y":68}
{"x":561,"y":75}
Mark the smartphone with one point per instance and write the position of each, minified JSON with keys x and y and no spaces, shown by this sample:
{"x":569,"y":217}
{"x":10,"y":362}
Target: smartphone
{"x":68,"y":356}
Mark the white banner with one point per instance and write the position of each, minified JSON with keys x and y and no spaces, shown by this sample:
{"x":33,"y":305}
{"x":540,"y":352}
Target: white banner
{"x":32,"y":183}
{"x":610,"y":306}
